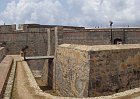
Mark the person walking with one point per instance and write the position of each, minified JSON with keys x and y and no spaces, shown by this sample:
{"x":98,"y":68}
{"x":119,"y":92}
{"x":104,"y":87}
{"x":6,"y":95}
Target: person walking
{"x":23,"y":52}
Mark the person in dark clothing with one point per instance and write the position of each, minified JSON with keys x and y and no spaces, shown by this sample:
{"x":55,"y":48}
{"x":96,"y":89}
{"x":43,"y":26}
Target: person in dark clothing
{"x":3,"y":44}
{"x":24,"y":51}
{"x":111,"y":23}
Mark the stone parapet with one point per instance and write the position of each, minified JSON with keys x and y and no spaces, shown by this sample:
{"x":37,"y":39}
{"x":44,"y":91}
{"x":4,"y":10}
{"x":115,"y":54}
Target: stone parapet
{"x":5,"y":67}
{"x":2,"y":53}
{"x":90,"y":71}
{"x":36,"y":92}
{"x":7,"y":28}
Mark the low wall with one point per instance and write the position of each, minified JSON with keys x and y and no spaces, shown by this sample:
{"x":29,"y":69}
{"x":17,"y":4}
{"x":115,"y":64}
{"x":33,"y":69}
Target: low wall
{"x":5,"y":67}
{"x":33,"y":89}
{"x":89,"y":71}
{"x":2,"y":53}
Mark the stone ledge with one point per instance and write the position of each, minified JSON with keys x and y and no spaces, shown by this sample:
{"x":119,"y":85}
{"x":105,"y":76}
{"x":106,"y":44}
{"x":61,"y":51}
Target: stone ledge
{"x":5,"y":68}
{"x":100,"y":47}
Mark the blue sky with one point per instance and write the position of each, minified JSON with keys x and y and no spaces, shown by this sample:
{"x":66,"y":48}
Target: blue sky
{"x":88,"y":13}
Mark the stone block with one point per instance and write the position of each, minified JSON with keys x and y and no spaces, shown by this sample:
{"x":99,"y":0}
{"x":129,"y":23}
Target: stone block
{"x":88,"y":71}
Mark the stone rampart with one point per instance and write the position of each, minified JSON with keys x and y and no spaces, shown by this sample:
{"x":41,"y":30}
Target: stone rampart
{"x":7,"y":28}
{"x":89,"y":71}
{"x":37,"y":43}
{"x":43,"y":39}
{"x":5,"y":67}
{"x":39,"y":38}
{"x":2,"y":53}
{"x":102,"y":36}
{"x":34,"y":90}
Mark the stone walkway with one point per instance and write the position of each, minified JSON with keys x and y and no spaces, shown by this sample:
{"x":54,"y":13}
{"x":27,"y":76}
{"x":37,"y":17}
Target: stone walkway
{"x":5,"y":68}
{"x":21,"y":87}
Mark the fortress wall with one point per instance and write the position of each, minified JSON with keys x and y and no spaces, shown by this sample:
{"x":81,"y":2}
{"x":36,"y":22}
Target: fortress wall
{"x":96,"y":70}
{"x":71,"y":71}
{"x":37,"y":45}
{"x":133,"y":37}
{"x":101,"y":36}
{"x":34,"y":90}
{"x":36,"y":37}
{"x":114,"y":69}
{"x":15,"y":41}
{"x":118,"y":34}
{"x":36,"y":41}
{"x":86,"y":37}
{"x":2,"y":53}
{"x":7,"y":28}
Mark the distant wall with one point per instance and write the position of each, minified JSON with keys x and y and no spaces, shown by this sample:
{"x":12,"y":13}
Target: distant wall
{"x":80,"y":35}
{"x":43,"y":39}
{"x":36,"y":41}
{"x":36,"y":36}
{"x":15,"y":41}
{"x":101,"y":36}
{"x":2,"y":53}
{"x":39,"y":38}
{"x":84,"y":71}
{"x":7,"y":28}
{"x":86,"y":37}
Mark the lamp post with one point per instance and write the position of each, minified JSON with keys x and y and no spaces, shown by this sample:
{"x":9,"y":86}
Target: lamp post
{"x":111,"y":23}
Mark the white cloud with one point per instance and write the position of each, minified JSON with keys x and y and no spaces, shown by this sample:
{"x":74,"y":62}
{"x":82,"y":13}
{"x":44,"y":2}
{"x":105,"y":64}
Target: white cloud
{"x":72,"y":12}
{"x":23,"y":11}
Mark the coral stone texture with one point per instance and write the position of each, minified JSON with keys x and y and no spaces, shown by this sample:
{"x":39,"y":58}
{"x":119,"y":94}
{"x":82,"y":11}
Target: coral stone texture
{"x":2,"y":53}
{"x":83,"y":71}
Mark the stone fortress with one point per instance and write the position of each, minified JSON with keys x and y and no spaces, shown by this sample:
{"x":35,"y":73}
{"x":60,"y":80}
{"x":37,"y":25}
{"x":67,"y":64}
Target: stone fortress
{"x":93,"y":63}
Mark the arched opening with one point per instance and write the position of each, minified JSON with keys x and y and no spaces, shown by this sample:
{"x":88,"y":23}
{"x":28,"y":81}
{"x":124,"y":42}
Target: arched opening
{"x":117,"y":41}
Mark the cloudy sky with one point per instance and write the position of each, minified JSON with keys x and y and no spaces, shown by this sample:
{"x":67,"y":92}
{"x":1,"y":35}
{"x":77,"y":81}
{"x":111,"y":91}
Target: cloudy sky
{"x":89,"y":13}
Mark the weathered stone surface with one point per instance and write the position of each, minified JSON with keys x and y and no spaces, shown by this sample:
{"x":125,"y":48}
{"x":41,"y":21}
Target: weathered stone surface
{"x":27,"y":83}
{"x":96,"y":70}
{"x":47,"y":74}
{"x":11,"y":79}
{"x":7,"y":28}
{"x":101,"y":36}
{"x":2,"y":53}
{"x":36,"y":37}
{"x":72,"y":72}
{"x":5,"y":67}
